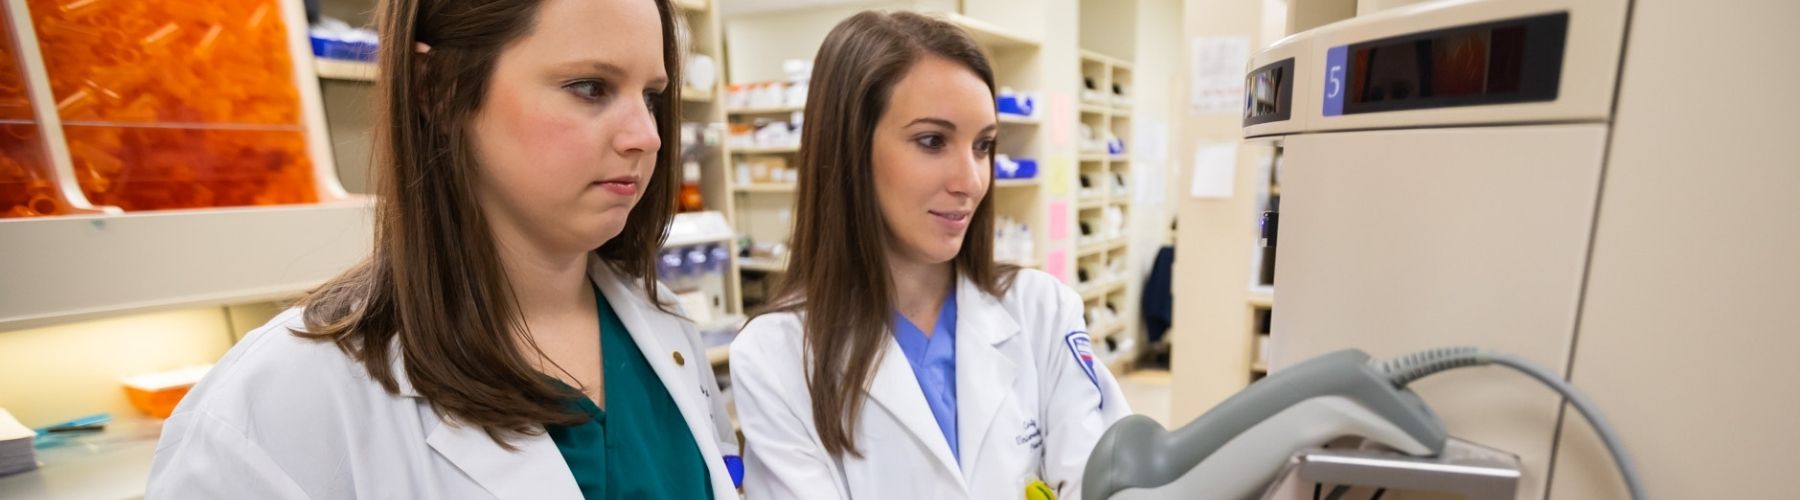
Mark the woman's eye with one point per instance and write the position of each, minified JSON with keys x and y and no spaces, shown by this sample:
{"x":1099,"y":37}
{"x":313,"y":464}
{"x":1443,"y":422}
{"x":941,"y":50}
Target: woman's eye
{"x":652,"y":100}
{"x":985,"y":147}
{"x":932,"y":142}
{"x":587,"y":89}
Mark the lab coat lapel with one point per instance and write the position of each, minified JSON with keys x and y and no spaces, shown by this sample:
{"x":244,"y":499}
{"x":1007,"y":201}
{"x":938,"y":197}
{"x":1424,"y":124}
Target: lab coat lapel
{"x":984,"y":374}
{"x":535,"y":470}
{"x":897,"y":390}
{"x":659,"y":336}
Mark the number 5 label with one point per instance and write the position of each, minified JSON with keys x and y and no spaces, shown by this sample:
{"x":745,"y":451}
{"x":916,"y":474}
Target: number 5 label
{"x":1334,"y":80}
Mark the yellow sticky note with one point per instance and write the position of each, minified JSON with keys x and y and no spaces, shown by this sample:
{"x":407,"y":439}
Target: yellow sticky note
{"x":1056,"y":174}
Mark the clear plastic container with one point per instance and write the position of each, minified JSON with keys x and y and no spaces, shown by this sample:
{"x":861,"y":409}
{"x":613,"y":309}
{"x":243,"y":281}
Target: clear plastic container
{"x":177,"y":104}
{"x":26,"y":189}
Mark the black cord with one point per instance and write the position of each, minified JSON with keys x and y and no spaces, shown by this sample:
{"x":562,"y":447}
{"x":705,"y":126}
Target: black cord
{"x":1316,"y":488}
{"x":1337,"y":493}
{"x":1378,"y":493}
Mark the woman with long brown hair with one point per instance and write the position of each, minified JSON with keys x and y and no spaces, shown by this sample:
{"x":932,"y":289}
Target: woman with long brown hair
{"x":506,"y":336}
{"x":899,"y":360}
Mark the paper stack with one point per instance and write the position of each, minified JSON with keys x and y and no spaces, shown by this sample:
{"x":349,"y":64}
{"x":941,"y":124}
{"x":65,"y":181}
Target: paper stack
{"x":16,"y":454}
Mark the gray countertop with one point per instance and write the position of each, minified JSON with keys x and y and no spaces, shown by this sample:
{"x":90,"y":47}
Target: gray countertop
{"x":109,"y":465}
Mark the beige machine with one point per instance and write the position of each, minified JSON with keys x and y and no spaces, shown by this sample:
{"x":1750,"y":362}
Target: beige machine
{"x":1584,"y":183}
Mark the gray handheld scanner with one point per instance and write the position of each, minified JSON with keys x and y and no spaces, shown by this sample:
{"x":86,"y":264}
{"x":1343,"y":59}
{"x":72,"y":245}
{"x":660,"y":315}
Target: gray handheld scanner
{"x":1234,"y":450}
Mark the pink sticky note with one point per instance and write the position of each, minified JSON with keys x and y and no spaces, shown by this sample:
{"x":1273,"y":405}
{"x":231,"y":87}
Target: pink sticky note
{"x":1062,"y":114}
{"x":1059,"y":219}
{"x":1058,"y":265}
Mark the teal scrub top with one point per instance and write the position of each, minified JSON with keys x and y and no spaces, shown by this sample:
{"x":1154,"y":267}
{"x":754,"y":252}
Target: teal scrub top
{"x":639,"y":447}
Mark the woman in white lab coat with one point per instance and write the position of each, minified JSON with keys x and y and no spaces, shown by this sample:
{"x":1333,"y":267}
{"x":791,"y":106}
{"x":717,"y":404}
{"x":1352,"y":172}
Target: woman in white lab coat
{"x":506,"y":337}
{"x":899,"y":360}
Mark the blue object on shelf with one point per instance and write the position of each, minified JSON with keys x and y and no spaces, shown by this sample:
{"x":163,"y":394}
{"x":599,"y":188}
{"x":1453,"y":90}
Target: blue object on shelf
{"x":1115,"y":147}
{"x":1020,"y":168}
{"x":1017,"y":104}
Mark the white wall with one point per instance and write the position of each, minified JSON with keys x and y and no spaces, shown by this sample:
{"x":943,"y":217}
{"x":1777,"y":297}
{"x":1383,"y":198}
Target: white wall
{"x":1108,"y":26}
{"x":756,"y":44}
{"x":56,"y":373}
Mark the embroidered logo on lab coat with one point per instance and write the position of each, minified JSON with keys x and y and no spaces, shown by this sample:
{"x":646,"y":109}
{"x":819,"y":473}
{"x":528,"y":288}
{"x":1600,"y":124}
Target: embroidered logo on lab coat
{"x":1083,"y":350}
{"x":1032,"y":435}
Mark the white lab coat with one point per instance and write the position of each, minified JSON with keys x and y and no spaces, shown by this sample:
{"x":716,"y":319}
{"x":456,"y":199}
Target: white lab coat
{"x":1027,"y":407}
{"x":284,"y":417}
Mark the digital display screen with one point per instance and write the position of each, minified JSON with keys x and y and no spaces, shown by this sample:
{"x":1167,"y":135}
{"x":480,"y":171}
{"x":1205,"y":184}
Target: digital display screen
{"x":1269,"y":93}
{"x":1517,"y":60}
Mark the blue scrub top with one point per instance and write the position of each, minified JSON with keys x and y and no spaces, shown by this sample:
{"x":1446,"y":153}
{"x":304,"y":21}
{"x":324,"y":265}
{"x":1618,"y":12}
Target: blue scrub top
{"x":933,"y":361}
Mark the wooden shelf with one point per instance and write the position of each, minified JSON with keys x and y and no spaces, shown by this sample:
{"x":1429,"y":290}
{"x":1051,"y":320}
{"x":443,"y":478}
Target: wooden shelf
{"x":1107,"y":330}
{"x":1018,"y":183}
{"x":1093,"y":108}
{"x":1095,"y":57}
{"x":1091,"y":203}
{"x":718,"y":355}
{"x":696,"y":95}
{"x":762,"y":265}
{"x":1093,"y":157}
{"x":1119,"y":112}
{"x":780,"y":150}
{"x":777,"y":110}
{"x":1098,"y":248}
{"x":1032,"y":263}
{"x":1099,"y":291}
{"x":690,"y":5}
{"x":990,"y":36}
{"x":1259,"y":367}
{"x":1012,"y":119}
{"x":139,"y":261}
{"x":696,"y":228}
{"x":349,"y":71}
{"x":765,"y":187}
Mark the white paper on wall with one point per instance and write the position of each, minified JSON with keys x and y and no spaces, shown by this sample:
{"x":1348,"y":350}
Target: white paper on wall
{"x":1219,"y":64}
{"x":1215,"y":169}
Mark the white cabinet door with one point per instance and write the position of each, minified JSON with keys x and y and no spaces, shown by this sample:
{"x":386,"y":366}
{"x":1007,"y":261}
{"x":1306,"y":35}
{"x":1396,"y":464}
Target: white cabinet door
{"x":1398,"y":241}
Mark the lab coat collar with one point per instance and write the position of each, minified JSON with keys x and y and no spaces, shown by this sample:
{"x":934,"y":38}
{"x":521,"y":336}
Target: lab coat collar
{"x":984,"y":379}
{"x":660,"y":337}
{"x":984,"y":375}
{"x":534,"y":470}
{"x":897,"y":390}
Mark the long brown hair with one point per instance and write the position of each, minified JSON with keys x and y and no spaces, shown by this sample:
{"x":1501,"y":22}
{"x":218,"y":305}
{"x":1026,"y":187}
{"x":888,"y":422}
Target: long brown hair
{"x":843,"y":287}
{"x":434,"y":279}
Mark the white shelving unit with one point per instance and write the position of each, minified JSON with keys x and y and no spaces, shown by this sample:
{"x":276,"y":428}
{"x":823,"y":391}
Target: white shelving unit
{"x":1018,"y":63}
{"x":707,"y":105}
{"x":1102,"y":182}
{"x":350,"y":71}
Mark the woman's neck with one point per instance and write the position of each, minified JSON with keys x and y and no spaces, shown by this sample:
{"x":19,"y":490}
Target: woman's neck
{"x":547,"y":284}
{"x":920,"y":289}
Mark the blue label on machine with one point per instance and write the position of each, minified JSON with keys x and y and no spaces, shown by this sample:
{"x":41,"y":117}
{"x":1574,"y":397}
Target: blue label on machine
{"x":1335,"y":76}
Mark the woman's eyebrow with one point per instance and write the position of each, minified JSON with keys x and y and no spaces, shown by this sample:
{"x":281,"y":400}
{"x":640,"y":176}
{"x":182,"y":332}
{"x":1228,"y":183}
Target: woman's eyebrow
{"x":611,"y":71}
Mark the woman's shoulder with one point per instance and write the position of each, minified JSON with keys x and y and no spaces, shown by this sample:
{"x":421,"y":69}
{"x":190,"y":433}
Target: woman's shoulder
{"x":771,"y":328}
{"x":1033,"y":290}
{"x":275,"y":374}
{"x":770,"y":337}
